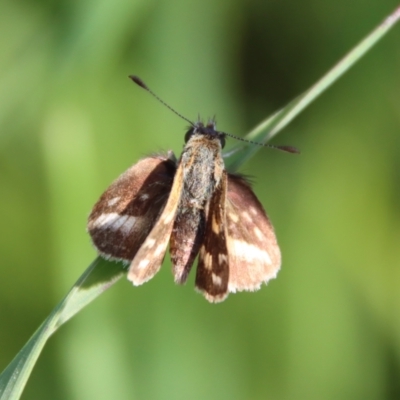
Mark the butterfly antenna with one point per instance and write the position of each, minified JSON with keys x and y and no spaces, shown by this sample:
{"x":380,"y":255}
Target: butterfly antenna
{"x":140,"y":83}
{"x":287,"y":149}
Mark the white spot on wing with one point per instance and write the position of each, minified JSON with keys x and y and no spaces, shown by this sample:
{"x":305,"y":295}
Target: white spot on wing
{"x":253,"y":211}
{"x":113,"y":201}
{"x":214,"y":225}
{"x":115,"y":222}
{"x":207,"y":260}
{"x":144,"y":197}
{"x":143,"y":264}
{"x":249,"y":252}
{"x":168,"y":218}
{"x":128,"y":224}
{"x":246,"y":216}
{"x":105,"y":220}
{"x":217,"y":280}
{"x":159,"y":250}
{"x":234,"y":217}
{"x":222,"y":258}
{"x":258,"y":233}
{"x":149,"y":243}
{"x":119,"y":222}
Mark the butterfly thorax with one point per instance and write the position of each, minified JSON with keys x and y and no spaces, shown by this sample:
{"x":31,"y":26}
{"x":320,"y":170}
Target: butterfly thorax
{"x":202,"y":169}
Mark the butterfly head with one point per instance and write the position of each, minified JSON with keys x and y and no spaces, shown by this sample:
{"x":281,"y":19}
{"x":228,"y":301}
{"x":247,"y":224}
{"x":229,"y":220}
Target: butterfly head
{"x":209,"y":131}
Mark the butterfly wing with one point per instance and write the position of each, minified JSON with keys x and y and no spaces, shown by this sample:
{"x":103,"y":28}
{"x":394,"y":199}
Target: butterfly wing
{"x":127,"y":211}
{"x":212,"y":273}
{"x":254,"y":255}
{"x":149,"y":258}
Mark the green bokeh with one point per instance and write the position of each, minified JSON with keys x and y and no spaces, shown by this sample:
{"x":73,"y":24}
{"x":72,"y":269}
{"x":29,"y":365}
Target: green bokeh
{"x":71,"y":121}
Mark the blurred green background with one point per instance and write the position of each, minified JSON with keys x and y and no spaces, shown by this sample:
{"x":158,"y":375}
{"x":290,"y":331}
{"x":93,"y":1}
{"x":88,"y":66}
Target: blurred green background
{"x":71,"y":122}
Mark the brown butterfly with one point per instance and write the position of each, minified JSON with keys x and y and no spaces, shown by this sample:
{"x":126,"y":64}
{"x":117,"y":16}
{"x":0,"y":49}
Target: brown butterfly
{"x":197,"y":207}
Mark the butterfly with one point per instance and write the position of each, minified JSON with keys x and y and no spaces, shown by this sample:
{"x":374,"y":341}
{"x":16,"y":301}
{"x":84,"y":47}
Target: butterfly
{"x":197,"y":208}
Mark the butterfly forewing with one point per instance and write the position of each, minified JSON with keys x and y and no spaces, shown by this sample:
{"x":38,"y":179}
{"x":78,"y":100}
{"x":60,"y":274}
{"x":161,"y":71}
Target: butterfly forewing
{"x":149,"y":258}
{"x":212,"y":274}
{"x":127,"y":211}
{"x":254,"y":255}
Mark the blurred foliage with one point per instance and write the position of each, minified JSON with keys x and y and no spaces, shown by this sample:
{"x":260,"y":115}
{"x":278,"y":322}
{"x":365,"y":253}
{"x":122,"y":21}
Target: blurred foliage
{"x":70,"y":122}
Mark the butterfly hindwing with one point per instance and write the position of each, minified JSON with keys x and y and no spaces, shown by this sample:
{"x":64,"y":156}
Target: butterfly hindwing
{"x":254,"y":255}
{"x":127,"y":211}
{"x":212,"y":274}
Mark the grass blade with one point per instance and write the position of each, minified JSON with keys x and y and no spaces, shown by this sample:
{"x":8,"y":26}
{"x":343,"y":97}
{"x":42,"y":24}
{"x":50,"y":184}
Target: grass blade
{"x":97,"y":278}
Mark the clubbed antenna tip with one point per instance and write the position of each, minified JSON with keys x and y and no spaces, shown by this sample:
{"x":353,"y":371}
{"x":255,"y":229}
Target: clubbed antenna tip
{"x":138,"y":81}
{"x":289,"y":149}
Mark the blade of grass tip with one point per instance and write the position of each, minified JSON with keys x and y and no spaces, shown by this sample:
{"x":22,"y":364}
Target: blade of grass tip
{"x":274,"y":124}
{"x":97,"y":278}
